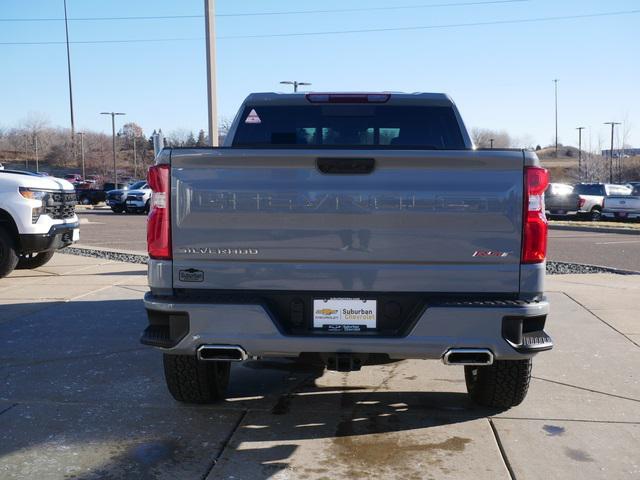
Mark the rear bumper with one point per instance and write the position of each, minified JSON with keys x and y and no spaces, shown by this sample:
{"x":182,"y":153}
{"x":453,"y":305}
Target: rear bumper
{"x":58,"y":236}
{"x":191,"y":324}
{"x":633,"y":214}
{"x":135,"y":204}
{"x":560,"y":212}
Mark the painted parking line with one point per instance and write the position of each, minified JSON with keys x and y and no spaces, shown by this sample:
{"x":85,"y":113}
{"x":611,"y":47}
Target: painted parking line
{"x":612,"y":243}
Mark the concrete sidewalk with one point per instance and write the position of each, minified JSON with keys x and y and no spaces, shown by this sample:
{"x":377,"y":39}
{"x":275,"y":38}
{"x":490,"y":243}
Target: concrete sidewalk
{"x":80,"y":398}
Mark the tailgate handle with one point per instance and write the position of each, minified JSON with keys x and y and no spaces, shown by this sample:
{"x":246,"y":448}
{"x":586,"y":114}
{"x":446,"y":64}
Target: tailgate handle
{"x":346,"y":165}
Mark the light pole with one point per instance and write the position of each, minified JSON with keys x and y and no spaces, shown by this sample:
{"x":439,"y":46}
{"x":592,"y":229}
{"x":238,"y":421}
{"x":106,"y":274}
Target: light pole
{"x":113,"y":143}
{"x":66,"y":30}
{"x":135,"y":163}
{"x":491,"y":140}
{"x":26,"y":151}
{"x":36,"y":147}
{"x":295,"y":84}
{"x":580,"y":152}
{"x":613,"y":126}
{"x":555,"y":82}
{"x":82,"y":153}
{"x":210,"y":34}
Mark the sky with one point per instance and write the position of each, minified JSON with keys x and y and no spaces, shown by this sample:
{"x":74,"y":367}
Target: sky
{"x":499,"y":73}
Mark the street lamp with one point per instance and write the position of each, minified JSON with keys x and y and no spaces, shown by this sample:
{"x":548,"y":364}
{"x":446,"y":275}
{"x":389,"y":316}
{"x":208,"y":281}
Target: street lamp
{"x":113,"y":142}
{"x":613,"y":126}
{"x":555,"y":82}
{"x":295,"y":84}
{"x":82,"y":153}
{"x":210,"y":36}
{"x":580,"y":152}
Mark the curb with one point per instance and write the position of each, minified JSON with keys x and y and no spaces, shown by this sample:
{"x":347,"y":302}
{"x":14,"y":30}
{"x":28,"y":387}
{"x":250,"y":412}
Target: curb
{"x":108,"y":254}
{"x":557,"y":268}
{"x":553,"y":268}
{"x":579,"y":228}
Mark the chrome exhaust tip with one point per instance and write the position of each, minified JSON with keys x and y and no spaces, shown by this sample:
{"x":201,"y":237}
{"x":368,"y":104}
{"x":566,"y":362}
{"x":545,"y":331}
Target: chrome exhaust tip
{"x":221,"y":353}
{"x":468,"y":356}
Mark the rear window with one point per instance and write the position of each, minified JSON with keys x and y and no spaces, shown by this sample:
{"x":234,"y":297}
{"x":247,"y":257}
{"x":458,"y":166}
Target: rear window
{"x":618,"y":190}
{"x":337,"y":126}
{"x":590,"y":189}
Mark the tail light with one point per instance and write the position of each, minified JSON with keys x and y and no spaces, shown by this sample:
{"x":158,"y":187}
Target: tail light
{"x":159,"y":222}
{"x":534,"y":230}
{"x":581,"y":202}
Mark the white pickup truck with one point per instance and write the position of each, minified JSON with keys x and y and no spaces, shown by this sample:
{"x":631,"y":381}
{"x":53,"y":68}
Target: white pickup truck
{"x":37,"y":217}
{"x":622,"y":207}
{"x":592,"y":195}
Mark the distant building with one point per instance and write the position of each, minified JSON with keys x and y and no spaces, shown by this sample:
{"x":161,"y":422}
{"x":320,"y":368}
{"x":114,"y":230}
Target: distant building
{"x":618,"y":152}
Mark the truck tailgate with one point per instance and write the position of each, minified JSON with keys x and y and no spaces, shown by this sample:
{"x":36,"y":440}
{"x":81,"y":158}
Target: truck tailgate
{"x":420,"y":221}
{"x":622,"y":203}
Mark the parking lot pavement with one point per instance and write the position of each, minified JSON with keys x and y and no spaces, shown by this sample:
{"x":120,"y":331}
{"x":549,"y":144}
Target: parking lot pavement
{"x":615,"y":250}
{"x":104,"y":229}
{"x":80,"y":398}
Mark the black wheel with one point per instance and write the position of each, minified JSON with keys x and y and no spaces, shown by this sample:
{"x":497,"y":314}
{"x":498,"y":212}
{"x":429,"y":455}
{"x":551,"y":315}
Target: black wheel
{"x":147,"y":207}
{"x":117,"y":209}
{"x":595,"y":215}
{"x":192,"y":381}
{"x":501,"y":385}
{"x":29,"y":261}
{"x":8,"y":256}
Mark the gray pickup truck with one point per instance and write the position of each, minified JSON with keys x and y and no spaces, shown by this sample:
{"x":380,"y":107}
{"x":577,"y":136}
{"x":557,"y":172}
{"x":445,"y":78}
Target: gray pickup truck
{"x":353,"y":229}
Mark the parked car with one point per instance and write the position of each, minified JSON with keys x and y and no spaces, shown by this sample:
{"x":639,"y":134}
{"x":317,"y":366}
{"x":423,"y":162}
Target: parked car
{"x":138,"y":199}
{"x":561,"y":201}
{"x":356,"y":229}
{"x":37,"y":218}
{"x":73,"y":178}
{"x":623,"y":207}
{"x":89,"y":195}
{"x":592,"y":197}
{"x":117,"y":199}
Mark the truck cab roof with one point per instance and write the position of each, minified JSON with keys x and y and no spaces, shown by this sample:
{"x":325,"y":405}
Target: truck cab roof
{"x":392,"y":98}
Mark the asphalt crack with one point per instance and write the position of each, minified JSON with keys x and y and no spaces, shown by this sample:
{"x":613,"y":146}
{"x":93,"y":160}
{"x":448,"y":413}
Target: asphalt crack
{"x":503,"y":454}
{"x":601,"y":319}
{"x":587,"y":389}
{"x":8,"y":408}
{"x":225,"y":444}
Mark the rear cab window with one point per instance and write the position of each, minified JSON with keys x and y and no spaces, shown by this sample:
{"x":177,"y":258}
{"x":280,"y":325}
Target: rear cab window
{"x":349,"y":126}
{"x":590,"y":189}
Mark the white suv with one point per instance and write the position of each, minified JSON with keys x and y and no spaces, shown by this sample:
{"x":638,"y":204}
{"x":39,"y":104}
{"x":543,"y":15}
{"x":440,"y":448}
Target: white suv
{"x":37,"y":217}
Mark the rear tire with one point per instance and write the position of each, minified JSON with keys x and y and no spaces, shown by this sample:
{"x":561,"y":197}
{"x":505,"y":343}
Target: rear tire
{"x":501,"y":385}
{"x":192,"y":381}
{"x":117,"y":209}
{"x":595,"y":215}
{"x":30,"y":261}
{"x":8,"y":255}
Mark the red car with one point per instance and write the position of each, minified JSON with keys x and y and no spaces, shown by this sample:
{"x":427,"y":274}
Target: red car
{"x":73,"y":178}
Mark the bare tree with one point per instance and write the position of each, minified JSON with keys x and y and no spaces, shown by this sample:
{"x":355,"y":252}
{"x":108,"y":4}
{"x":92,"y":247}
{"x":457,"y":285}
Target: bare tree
{"x":224,"y":125}
{"x":177,"y":137}
{"x":482,"y":138}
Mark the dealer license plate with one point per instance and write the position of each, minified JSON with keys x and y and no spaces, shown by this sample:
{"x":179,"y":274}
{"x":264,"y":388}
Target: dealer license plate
{"x":344,"y":314}
{"x":76,"y":234}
